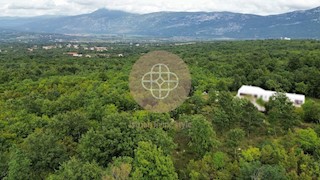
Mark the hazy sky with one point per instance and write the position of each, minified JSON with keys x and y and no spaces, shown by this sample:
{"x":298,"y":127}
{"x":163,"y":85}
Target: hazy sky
{"x":73,"y":7}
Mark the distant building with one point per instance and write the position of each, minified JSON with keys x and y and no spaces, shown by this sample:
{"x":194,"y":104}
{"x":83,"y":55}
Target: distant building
{"x":101,"y":49}
{"x":120,"y":55}
{"x":76,"y":46}
{"x":48,"y":47}
{"x":286,"y":38}
{"x":74,"y":54}
{"x":254,"y":93}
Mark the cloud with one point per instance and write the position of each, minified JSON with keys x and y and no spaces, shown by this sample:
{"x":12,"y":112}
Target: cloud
{"x":32,"y":5}
{"x":14,"y":7}
{"x":73,"y":7}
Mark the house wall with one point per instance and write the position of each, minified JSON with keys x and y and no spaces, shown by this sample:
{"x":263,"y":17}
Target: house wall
{"x":296,"y":99}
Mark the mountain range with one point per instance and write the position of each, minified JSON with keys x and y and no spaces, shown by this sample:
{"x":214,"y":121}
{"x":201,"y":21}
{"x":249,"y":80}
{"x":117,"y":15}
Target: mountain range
{"x":215,"y":25}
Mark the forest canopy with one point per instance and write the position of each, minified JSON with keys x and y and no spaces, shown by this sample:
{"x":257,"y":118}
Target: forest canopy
{"x":64,"y":117}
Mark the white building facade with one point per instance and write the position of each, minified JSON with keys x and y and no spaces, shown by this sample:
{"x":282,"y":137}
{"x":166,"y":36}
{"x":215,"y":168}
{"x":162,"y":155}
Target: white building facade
{"x":265,"y":95}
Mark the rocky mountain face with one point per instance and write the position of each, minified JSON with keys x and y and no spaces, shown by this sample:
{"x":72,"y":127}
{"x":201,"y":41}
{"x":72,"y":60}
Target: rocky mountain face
{"x":224,"y":25}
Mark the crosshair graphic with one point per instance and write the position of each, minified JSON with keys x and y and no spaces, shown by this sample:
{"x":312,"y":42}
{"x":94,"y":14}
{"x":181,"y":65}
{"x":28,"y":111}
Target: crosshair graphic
{"x":160,"y":81}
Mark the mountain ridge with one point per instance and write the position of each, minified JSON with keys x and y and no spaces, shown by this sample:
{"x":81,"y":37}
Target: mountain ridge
{"x":296,"y":24}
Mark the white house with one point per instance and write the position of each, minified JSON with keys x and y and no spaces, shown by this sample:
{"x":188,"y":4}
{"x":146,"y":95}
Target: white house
{"x":286,"y":38}
{"x":48,"y":47}
{"x":100,"y":49}
{"x":74,"y":54}
{"x":265,"y":95}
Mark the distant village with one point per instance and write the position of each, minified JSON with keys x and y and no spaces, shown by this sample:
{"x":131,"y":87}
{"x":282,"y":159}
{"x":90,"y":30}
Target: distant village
{"x":78,"y":50}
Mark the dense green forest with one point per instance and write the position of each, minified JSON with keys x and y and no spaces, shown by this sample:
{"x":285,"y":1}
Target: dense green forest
{"x":65,"y":117}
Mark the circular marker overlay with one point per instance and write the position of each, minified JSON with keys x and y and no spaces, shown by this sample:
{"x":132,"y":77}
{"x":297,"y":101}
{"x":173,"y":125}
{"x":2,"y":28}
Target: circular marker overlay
{"x":160,"y":81}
